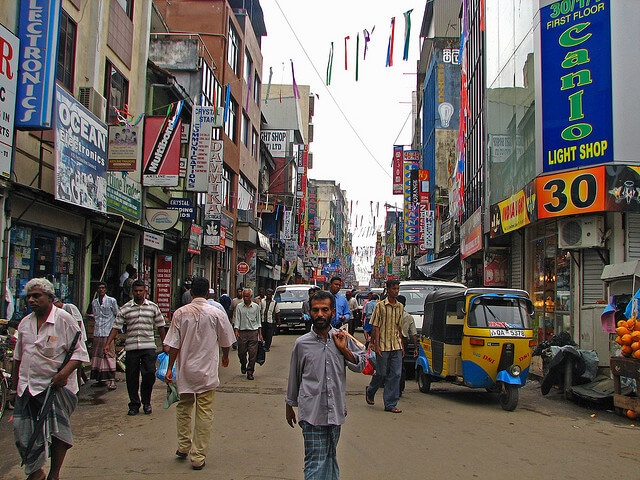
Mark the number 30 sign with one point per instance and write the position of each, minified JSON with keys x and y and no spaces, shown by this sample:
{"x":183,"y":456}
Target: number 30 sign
{"x":570,"y":193}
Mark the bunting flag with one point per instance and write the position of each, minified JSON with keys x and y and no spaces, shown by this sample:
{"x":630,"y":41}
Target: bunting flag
{"x":226,"y":103}
{"x":482,"y":15}
{"x":248,"y":92}
{"x":407,"y":33}
{"x":390,"y":47}
{"x":269,"y":85}
{"x":296,"y":93}
{"x":345,"y":51}
{"x":357,"y":53}
{"x":366,"y":35}
{"x":329,"y":65}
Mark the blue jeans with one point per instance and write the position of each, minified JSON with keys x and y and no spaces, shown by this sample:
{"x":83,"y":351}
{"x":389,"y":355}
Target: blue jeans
{"x":388,"y":372}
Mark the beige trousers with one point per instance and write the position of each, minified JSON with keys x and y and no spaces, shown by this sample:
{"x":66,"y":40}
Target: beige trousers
{"x":198,"y":444}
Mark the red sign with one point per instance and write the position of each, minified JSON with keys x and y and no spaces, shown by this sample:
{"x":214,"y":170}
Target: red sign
{"x":423,"y":178}
{"x":163,"y":285}
{"x":398,"y":189}
{"x":222,"y":244}
{"x":161,"y":149}
{"x":242,"y":268}
{"x":321,"y":278}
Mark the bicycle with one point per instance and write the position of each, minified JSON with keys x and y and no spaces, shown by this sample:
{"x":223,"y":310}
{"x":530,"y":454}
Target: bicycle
{"x":6,"y":350}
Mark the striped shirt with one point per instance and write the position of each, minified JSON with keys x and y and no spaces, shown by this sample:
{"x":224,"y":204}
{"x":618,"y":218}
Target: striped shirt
{"x":389,"y":319}
{"x":141,"y":321}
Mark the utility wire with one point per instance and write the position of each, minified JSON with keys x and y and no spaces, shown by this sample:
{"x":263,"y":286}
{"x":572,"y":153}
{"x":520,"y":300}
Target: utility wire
{"x":384,"y":169}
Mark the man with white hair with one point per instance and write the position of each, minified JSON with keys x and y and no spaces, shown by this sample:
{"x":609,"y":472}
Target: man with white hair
{"x":44,"y":338}
{"x":248,"y":329}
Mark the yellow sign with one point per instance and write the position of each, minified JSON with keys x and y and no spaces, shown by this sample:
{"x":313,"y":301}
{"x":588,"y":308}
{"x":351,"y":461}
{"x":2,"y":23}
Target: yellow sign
{"x":513,"y":212}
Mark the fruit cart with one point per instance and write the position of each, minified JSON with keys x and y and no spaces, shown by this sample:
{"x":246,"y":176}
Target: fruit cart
{"x":625,"y":367}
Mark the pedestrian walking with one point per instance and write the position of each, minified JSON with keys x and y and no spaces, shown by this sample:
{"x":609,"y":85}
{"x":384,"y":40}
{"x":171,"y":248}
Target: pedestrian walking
{"x":197,"y":332}
{"x":409,"y":330}
{"x":186,"y":295}
{"x":126,"y":286}
{"x":72,"y":310}
{"x":343,"y":314}
{"x":270,"y":314}
{"x":211,"y":300}
{"x":45,"y":340}
{"x":248,"y":330}
{"x":367,"y":311}
{"x":317,"y":387}
{"x":261,"y":296}
{"x":387,"y":344}
{"x":225,"y":299}
{"x":103,"y":365}
{"x":353,"y":308}
{"x":235,"y":302}
{"x":141,"y":317}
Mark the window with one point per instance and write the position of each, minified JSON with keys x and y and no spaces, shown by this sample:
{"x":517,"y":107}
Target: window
{"x":116,"y":91}
{"x":127,"y":6}
{"x":211,"y":88}
{"x":248,"y":68}
{"x":231,"y":127}
{"x":66,"y":51}
{"x":234,"y":45}
{"x":256,"y":89}
{"x":227,"y":188}
{"x":254,"y":144}
{"x":245,"y":130}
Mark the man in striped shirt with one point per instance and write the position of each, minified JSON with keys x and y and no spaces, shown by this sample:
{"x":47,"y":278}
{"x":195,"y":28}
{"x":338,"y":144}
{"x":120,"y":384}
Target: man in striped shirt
{"x":141,"y":317}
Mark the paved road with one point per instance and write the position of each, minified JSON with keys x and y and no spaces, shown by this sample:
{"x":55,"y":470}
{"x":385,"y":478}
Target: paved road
{"x":451,"y":433}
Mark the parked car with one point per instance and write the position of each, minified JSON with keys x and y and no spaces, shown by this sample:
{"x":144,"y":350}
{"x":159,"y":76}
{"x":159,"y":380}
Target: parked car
{"x":290,"y":298}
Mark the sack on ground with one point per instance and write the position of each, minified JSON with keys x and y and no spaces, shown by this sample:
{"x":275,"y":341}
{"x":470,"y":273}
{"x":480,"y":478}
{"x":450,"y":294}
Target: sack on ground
{"x":161,"y":372}
{"x":261,"y":357}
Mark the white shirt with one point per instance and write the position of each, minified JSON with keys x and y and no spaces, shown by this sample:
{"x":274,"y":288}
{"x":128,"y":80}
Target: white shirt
{"x":72,"y":310}
{"x":197,"y":330}
{"x":267,"y":316}
{"x":123,"y":277}
{"x":42,"y":352}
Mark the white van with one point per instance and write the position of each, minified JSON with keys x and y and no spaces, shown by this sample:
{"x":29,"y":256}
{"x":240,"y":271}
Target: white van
{"x":290,"y":298}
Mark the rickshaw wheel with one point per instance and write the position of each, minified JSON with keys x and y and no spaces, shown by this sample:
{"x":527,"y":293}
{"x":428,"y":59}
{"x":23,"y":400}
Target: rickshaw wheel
{"x":509,"y":396}
{"x":424,"y":381}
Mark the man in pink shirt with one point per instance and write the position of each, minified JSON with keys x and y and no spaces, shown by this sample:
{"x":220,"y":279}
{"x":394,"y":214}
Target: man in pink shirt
{"x":197,"y":331}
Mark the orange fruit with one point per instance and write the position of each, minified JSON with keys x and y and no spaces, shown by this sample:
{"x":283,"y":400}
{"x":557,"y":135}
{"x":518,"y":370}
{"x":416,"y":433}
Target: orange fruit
{"x":627,"y":350}
{"x":637,"y":327}
{"x":635,"y":346}
{"x":631,"y":414}
{"x":626,"y":339}
{"x":622,"y":323}
{"x":636,"y":354}
{"x":622,"y":331}
{"x":631,"y":323}
{"x":619,"y":341}
{"x":635,"y":336}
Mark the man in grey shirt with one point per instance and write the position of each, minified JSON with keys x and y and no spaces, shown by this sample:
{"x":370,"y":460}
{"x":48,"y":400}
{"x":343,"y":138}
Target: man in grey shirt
{"x":317,"y":386}
{"x":248,"y":329}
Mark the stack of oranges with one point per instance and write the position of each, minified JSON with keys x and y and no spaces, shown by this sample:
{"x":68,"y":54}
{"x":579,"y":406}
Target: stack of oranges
{"x":629,"y":337}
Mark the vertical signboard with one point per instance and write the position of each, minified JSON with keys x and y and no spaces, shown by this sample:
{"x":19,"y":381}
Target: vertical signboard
{"x":203,"y":121}
{"x":195,"y":239}
{"x":163,"y":285}
{"x":162,"y":149}
{"x":80,"y":154}
{"x":471,"y":235}
{"x":301,"y":191}
{"x":9,"y":50}
{"x":397,"y":169}
{"x":427,"y":226}
{"x":287,"y":227}
{"x":447,"y":68}
{"x":213,"y":200}
{"x":123,"y":147}
{"x":577,"y":118}
{"x":38,"y":32}
{"x":411,"y":209}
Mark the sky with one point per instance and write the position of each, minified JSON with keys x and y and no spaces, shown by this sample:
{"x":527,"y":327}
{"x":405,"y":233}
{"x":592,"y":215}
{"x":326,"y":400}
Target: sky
{"x":377,"y":105}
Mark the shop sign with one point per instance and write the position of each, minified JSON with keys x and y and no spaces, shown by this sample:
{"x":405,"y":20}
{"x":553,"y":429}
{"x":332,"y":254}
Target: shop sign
{"x":287,"y":225}
{"x":623,"y":188}
{"x":212,"y":233}
{"x":153,"y":240}
{"x":264,"y":241}
{"x":447,"y":233}
{"x":227,"y":222}
{"x":163,"y":285}
{"x":162,"y":148}
{"x":515,"y":212}
{"x":123,"y":194}
{"x":571,"y":193}
{"x":290,"y":251}
{"x":203,"y":121}
{"x":276,"y":273}
{"x":9,"y":50}
{"x":401,"y":248}
{"x":427,"y":227}
{"x":447,"y":92}
{"x":301,"y":191}
{"x":398,"y":156}
{"x":195,"y":239}
{"x":213,"y":198}
{"x":38,"y":32}
{"x":123,"y":147}
{"x":496,"y":269}
{"x":577,"y":129}
{"x":320,"y":278}
{"x":277,"y":142}
{"x":222,"y":243}
{"x":423,"y":178}
{"x":471,"y":235}
{"x":161,"y":218}
{"x":410,"y":212}
{"x":81,"y":154}
{"x":184,"y":206}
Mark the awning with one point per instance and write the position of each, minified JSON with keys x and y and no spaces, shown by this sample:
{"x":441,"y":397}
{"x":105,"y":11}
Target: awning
{"x":429,"y":269}
{"x":618,"y":271}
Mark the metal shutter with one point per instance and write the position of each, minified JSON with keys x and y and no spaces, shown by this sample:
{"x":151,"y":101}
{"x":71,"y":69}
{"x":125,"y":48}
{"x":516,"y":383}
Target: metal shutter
{"x":592,"y":286}
{"x":516,"y":261}
{"x":633,"y":236}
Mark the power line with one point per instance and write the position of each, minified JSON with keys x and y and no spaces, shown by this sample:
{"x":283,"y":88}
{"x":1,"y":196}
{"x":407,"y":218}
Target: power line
{"x":384,"y":169}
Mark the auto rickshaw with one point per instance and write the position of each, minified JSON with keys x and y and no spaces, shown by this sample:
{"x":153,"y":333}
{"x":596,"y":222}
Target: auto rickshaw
{"x":479,"y":338}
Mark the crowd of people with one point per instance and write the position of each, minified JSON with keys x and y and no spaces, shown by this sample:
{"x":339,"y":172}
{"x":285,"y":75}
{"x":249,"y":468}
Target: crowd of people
{"x":51,"y":347}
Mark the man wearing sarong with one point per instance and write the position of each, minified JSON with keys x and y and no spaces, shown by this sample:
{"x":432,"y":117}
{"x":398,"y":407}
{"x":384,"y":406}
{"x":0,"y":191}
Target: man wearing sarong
{"x":317,"y":386}
{"x":197,"y":332}
{"x":44,"y":337}
{"x":103,"y":365}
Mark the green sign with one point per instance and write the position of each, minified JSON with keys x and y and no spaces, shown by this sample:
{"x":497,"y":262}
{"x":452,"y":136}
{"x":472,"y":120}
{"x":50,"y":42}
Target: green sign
{"x":123,"y":194}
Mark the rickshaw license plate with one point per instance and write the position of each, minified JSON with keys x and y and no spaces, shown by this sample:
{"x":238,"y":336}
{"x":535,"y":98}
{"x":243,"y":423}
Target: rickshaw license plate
{"x":506,"y":333}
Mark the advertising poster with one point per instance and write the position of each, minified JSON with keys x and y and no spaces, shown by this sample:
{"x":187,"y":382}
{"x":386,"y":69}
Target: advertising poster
{"x":80,"y":154}
{"x":123,"y":147}
{"x":496,"y":270}
{"x":447,"y":70}
{"x":124,"y":195}
{"x":398,"y":156}
{"x":213,"y":199}
{"x":9,"y":50}
{"x":163,"y":285}
{"x":577,"y":117}
{"x":162,"y":149}
{"x":195,"y":239}
{"x":203,"y":121}
{"x":411,"y":209}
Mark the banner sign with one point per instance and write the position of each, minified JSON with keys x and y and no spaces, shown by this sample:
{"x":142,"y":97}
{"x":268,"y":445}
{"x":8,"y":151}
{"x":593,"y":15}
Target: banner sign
{"x":81,"y":154}
{"x":163,"y":285}
{"x":571,"y":193}
{"x":398,"y":156}
{"x":203,"y":121}
{"x":38,"y":32}
{"x":577,"y":128}
{"x":124,"y":195}
{"x":184,"y":206}
{"x":162,"y":149}
{"x":290,"y":251}
{"x":401,"y":247}
{"x":427,"y":229}
{"x":287,"y":226}
{"x":277,"y":142}
{"x":123,"y":147}
{"x":9,"y":50}
{"x":518,"y":210}
{"x":410,"y":211}
{"x":195,"y":239}
{"x":415,"y":186}
{"x":447,"y":92}
{"x":301,"y":191}
{"x":447,"y":233}
{"x":213,"y":199}
{"x":471,"y":235}
{"x":312,"y":209}
{"x":222,"y":243}
{"x":423,"y":178}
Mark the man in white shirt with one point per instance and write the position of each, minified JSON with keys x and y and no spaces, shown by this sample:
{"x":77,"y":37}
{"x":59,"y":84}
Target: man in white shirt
{"x":195,"y":335}
{"x":270,"y":315}
{"x":103,"y":366}
{"x":248,"y":329}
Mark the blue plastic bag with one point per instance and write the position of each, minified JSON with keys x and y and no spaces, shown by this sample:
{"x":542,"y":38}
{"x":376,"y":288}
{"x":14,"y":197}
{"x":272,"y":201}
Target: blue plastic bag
{"x":161,"y":372}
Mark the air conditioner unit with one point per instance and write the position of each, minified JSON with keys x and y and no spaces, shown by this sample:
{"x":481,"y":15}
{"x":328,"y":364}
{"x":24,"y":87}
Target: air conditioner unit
{"x":580,"y":232}
{"x":93,"y":101}
{"x":258,"y":223}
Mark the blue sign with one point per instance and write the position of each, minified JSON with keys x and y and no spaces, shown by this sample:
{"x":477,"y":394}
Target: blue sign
{"x":38,"y":32}
{"x":187,"y":212}
{"x":577,"y":119}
